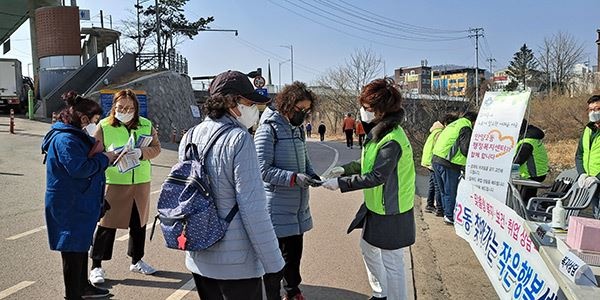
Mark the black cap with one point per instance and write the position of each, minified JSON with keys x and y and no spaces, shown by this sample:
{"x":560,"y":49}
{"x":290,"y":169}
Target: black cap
{"x":235,"y":83}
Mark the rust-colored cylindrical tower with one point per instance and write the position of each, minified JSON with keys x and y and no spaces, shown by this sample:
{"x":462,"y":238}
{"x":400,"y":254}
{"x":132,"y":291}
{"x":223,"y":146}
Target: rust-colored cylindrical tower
{"x":58,"y":45}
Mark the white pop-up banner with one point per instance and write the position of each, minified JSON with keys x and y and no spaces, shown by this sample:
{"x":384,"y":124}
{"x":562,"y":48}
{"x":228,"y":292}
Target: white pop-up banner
{"x":494,"y":140}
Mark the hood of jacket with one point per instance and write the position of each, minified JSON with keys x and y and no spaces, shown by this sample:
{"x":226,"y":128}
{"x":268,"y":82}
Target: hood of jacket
{"x":271,"y":115}
{"x":436,"y":125}
{"x":59,"y":127}
{"x":534,"y":133}
{"x":387,"y":124}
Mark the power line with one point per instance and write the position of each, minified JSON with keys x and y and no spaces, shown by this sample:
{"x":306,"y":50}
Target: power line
{"x":402,"y":23}
{"x":278,"y":57}
{"x":383,"y":21}
{"x":354,"y":35}
{"x":365,"y":28}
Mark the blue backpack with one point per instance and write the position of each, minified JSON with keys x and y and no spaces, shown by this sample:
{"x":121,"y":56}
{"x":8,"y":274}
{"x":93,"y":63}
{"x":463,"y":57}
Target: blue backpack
{"x":186,"y":208}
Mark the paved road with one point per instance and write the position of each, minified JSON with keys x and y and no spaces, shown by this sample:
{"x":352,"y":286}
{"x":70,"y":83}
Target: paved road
{"x":332,"y":267}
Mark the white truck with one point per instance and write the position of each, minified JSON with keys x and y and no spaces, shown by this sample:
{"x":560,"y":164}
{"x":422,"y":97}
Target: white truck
{"x":13,"y":94}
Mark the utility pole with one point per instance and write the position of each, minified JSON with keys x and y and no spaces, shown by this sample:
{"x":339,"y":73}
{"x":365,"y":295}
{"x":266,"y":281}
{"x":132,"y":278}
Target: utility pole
{"x":138,"y":7}
{"x":157,"y":10}
{"x":279,"y":73}
{"x":291,"y":57}
{"x":491,"y":60}
{"x":478,"y":32}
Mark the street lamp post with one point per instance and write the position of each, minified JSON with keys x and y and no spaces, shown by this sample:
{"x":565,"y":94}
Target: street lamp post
{"x":291,"y":57}
{"x":279,"y":73}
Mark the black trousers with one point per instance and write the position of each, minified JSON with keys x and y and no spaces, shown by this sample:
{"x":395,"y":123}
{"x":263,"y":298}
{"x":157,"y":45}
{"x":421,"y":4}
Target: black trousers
{"x":291,"y":249}
{"x":74,"y":273}
{"x":322,"y":136}
{"x":349,"y":137}
{"x":308,"y":132}
{"x":104,"y":240}
{"x":361,"y":140}
{"x":218,"y":289}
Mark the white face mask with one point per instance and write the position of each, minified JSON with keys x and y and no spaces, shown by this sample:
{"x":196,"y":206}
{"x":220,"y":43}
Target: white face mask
{"x":90,"y":128}
{"x":366,"y":116}
{"x":249,"y":115}
{"x":124,"y":118}
{"x":594,"y":116}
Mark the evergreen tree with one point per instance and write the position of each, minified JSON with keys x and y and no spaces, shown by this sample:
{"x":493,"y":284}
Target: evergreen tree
{"x":522,"y":64}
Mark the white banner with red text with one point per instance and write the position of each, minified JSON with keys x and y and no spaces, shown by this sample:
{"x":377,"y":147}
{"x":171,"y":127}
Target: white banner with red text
{"x":502,"y":245}
{"x":494,"y":140}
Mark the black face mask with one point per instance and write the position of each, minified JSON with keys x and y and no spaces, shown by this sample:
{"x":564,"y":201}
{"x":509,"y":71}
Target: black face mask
{"x":297,"y":118}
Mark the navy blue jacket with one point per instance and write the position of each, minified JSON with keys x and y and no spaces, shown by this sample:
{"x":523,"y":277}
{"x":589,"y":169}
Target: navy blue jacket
{"x":74,"y":188}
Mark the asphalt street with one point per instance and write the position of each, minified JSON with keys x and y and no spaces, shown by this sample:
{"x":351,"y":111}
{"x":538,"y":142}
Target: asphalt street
{"x":332,"y":267}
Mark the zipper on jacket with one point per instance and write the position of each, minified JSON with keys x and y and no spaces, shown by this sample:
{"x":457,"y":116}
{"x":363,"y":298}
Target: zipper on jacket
{"x":298,"y":165}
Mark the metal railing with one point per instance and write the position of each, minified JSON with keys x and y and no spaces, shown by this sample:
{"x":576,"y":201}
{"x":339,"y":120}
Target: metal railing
{"x":171,"y":60}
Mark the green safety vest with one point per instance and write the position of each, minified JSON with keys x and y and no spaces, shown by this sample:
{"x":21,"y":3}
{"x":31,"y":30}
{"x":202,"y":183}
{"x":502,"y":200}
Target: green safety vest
{"x":447,"y":146}
{"x":374,"y":197}
{"x":537,"y":164}
{"x":591,"y":153}
{"x":428,"y":148}
{"x":118,"y":136}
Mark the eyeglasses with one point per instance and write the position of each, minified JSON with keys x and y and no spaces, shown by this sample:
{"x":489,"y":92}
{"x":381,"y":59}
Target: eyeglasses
{"x":124,"y":109}
{"x":303,"y":110}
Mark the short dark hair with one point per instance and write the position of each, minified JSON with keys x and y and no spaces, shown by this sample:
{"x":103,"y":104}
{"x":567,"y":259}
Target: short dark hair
{"x":292,"y":94}
{"x":449,"y":118}
{"x":594,"y":98}
{"x":470,"y":115}
{"x":382,"y":96}
{"x":77,"y":107}
{"x":217,"y":106}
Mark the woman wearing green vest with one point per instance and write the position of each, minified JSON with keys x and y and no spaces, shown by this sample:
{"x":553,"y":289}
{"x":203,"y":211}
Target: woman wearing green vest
{"x":587,"y":157}
{"x":386,"y":174}
{"x":449,"y":159}
{"x":434,"y":198}
{"x":532,"y":158}
{"x":127,"y":193}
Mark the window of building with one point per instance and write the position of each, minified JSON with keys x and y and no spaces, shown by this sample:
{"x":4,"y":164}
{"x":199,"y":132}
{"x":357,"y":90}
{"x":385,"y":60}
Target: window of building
{"x":461,"y":80}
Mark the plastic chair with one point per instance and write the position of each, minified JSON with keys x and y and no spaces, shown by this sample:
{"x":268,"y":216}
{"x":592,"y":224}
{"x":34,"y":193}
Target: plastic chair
{"x":562,"y":184}
{"x":577,"y":199}
{"x":514,"y":201}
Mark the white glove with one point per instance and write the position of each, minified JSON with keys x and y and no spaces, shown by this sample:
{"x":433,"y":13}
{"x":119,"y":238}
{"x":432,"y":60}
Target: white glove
{"x":137,"y":151}
{"x":589,"y":181}
{"x":331,"y":184}
{"x":581,"y":179}
{"x":334,"y":172}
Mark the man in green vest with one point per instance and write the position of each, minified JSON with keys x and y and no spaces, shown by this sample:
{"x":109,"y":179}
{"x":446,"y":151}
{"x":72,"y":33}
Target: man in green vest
{"x":587,"y":157}
{"x":449,"y":159}
{"x":434,"y":198}
{"x":532,"y":158}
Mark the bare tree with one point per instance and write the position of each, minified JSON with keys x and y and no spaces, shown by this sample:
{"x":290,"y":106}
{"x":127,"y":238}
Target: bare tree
{"x":340,"y":86}
{"x":557,"y":57}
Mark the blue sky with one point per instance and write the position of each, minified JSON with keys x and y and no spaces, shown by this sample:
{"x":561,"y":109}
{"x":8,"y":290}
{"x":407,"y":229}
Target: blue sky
{"x":265,"y":25}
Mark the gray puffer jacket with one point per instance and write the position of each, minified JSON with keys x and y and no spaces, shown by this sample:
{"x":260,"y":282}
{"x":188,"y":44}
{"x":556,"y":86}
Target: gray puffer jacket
{"x":282,"y":153}
{"x":249,"y":248}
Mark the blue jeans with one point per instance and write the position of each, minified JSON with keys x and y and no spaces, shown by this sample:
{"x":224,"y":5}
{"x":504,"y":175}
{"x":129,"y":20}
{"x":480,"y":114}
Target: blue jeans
{"x":434,"y":198}
{"x":448,"y":182}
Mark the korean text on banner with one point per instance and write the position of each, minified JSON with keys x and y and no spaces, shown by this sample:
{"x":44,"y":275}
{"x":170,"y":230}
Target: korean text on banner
{"x":503,"y":246}
{"x":494,"y":140}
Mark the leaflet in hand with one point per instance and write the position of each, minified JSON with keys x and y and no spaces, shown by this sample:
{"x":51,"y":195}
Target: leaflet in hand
{"x":127,"y":159}
{"x":143,"y":141}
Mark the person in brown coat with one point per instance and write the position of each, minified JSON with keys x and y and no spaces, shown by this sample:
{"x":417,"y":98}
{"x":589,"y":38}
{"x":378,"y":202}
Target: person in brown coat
{"x":128,"y":193}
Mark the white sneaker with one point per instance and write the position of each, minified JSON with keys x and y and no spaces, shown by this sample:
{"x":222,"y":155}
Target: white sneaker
{"x":97,"y":276}
{"x":142,"y":267}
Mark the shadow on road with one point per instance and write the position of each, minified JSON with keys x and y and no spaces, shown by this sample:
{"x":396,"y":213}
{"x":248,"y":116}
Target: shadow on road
{"x":173,"y":285}
{"x":314,"y":292}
